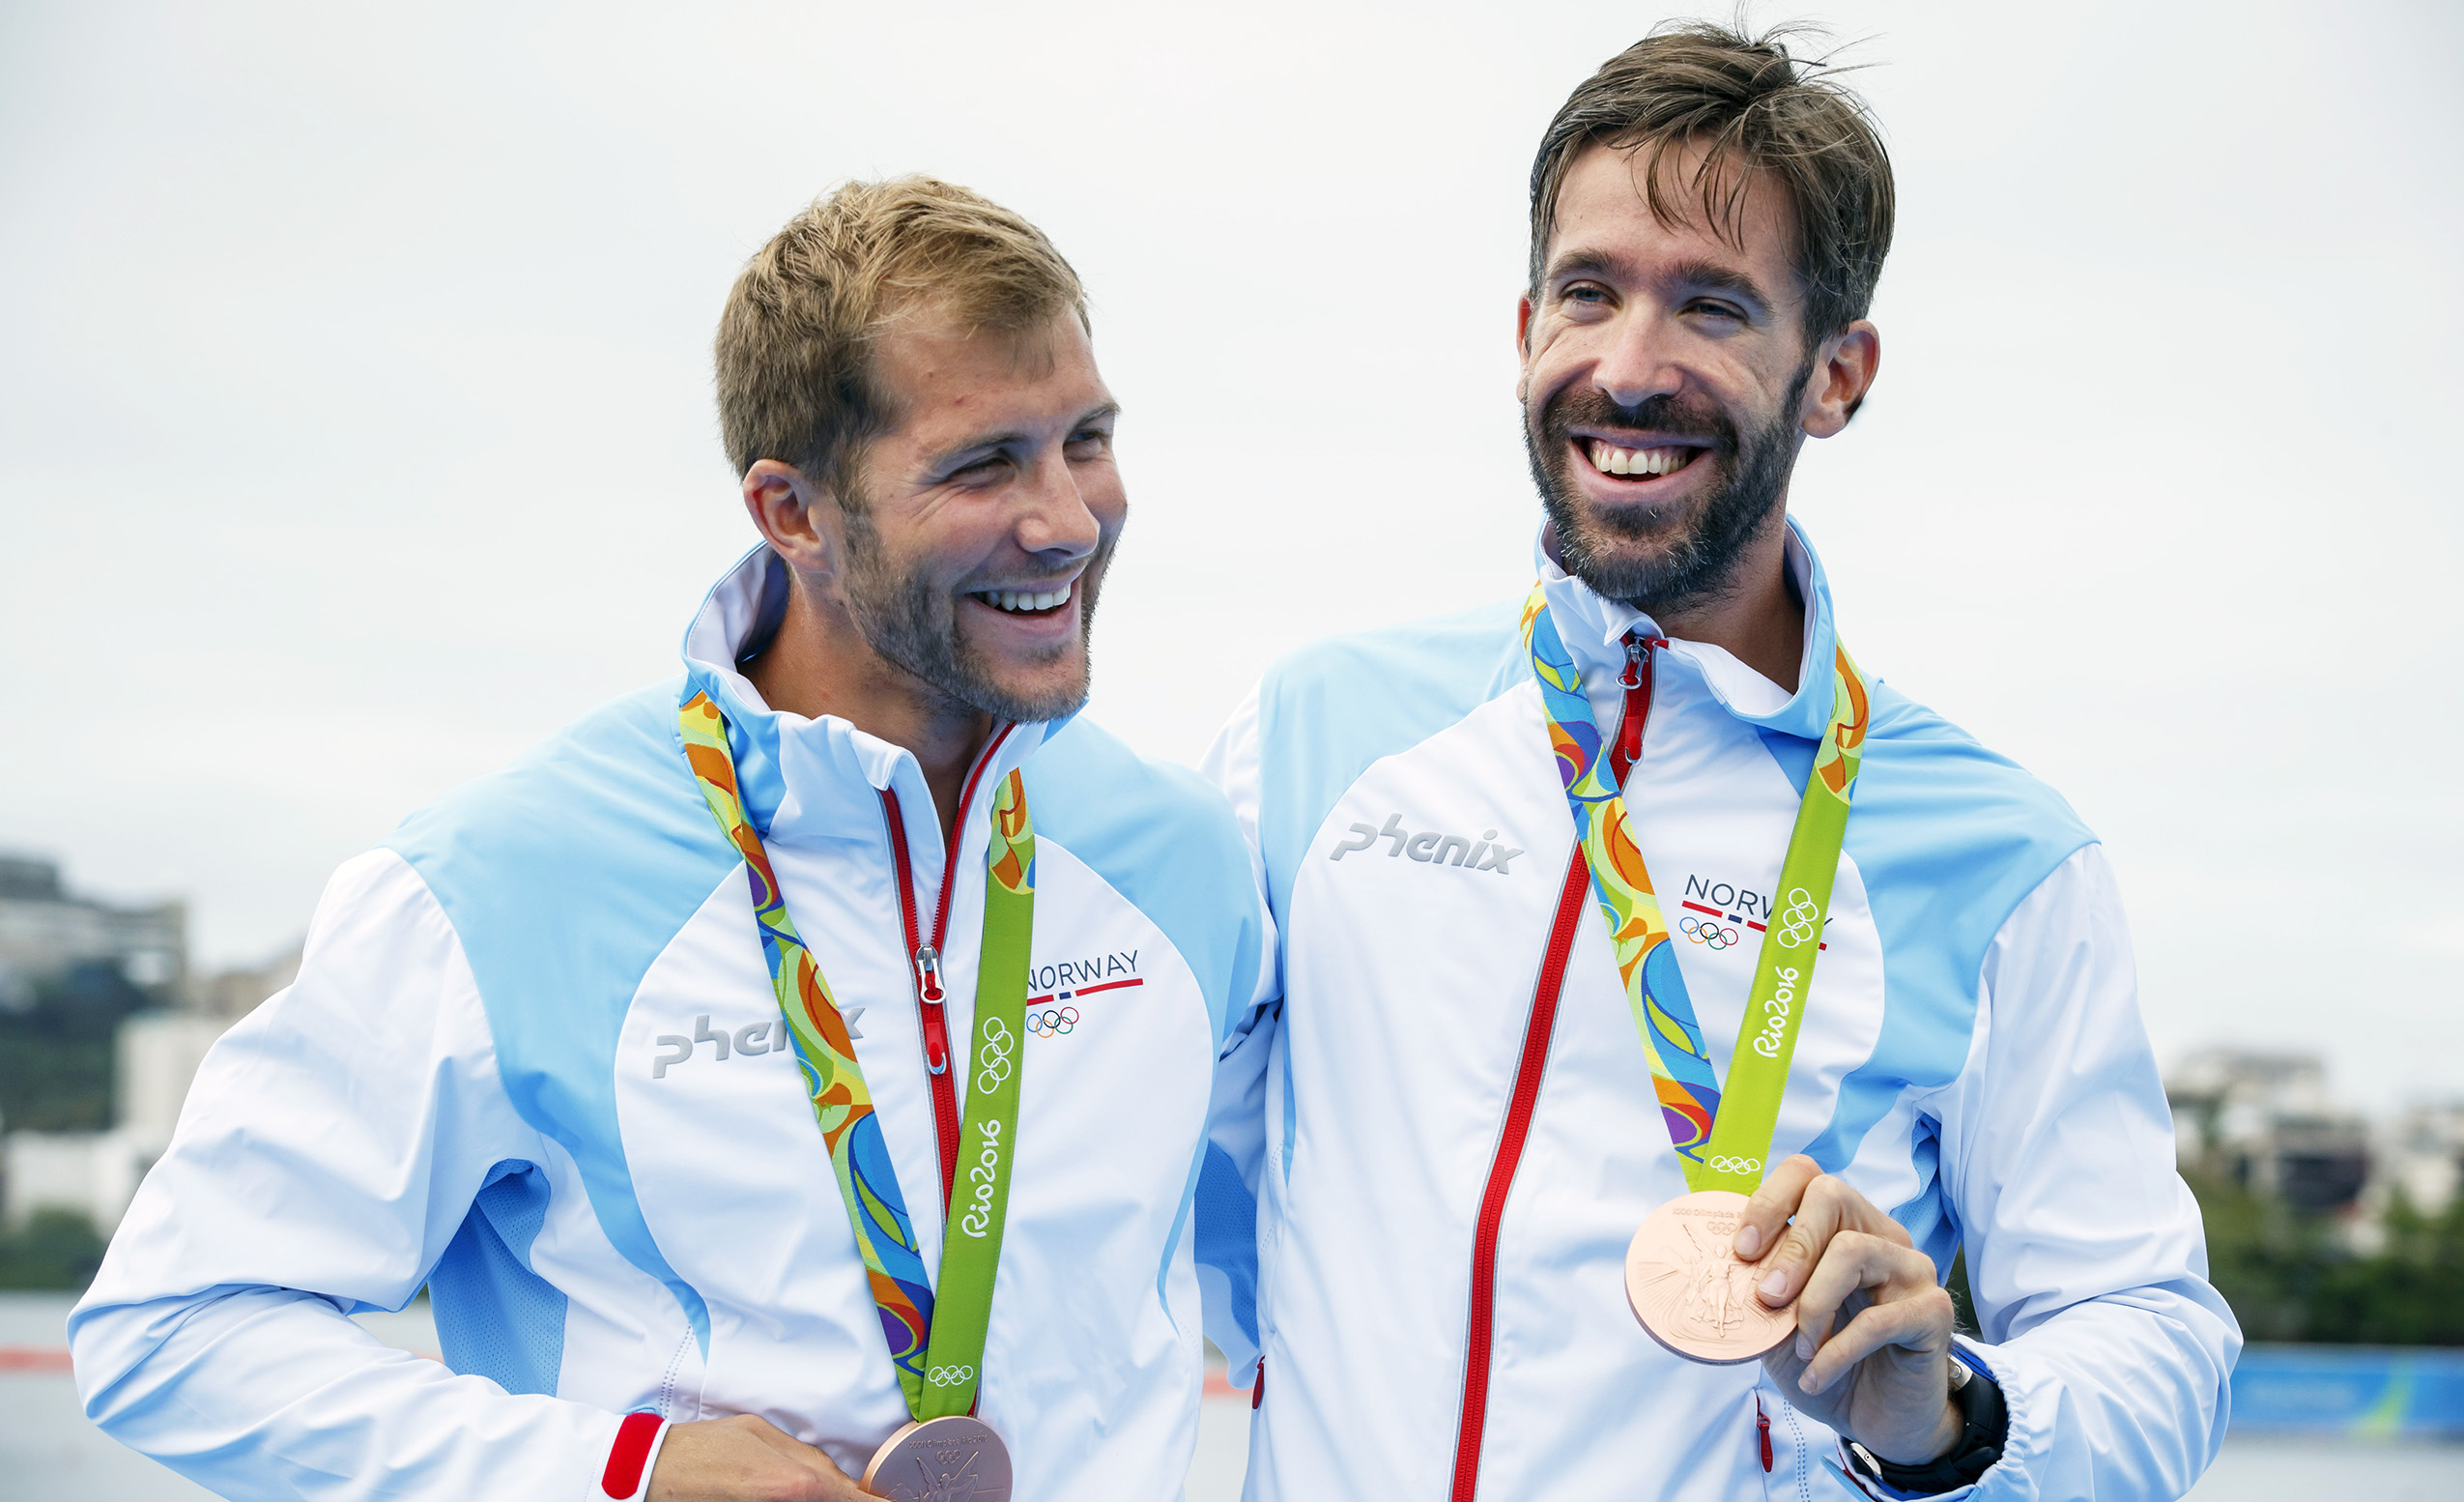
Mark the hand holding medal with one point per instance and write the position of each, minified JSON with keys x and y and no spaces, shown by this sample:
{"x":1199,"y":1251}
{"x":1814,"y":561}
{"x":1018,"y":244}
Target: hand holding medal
{"x":1870,"y":1321}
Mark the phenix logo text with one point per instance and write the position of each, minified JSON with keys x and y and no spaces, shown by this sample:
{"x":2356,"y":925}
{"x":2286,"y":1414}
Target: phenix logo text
{"x":1431,"y":846}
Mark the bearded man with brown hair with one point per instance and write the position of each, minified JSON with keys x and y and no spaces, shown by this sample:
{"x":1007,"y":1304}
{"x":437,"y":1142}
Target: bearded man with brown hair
{"x":1665,"y":1001}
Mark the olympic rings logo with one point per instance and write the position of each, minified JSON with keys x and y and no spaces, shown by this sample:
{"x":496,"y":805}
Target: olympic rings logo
{"x":950,"y":1376}
{"x":1052,"y":1023}
{"x":1701,"y":932}
{"x":1724,"y":1164}
{"x":999,"y":1043}
{"x":1797,"y":920}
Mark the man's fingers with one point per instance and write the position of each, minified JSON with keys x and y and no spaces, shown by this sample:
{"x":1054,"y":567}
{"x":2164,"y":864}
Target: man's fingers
{"x":1768,"y":1210}
{"x":1824,"y":1211}
{"x":1826,"y":1206}
{"x":1921,"y":1320}
{"x":1853,"y":1260}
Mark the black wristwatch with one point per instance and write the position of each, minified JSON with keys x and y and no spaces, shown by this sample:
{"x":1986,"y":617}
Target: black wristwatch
{"x":1985,"y":1422}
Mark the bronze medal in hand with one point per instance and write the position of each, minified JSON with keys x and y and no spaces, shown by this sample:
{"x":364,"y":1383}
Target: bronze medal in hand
{"x":1692,"y":1293}
{"x":955,"y":1459}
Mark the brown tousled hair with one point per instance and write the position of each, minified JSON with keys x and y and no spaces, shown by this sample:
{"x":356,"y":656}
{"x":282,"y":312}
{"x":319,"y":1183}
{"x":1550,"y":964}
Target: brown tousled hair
{"x":1755,"y":109}
{"x":795,"y":345}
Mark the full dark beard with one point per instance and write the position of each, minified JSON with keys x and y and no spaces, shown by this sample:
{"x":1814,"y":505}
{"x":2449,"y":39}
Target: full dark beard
{"x":915,"y":625}
{"x":1655,"y":568}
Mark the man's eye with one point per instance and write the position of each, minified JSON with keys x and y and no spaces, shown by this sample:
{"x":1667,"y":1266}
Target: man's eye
{"x":1718,"y":310}
{"x":1586,"y":295}
{"x":1089,"y":439}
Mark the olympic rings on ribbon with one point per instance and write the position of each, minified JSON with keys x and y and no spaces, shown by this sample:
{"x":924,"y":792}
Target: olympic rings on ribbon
{"x":950,"y":1376}
{"x":1052,"y":1023}
{"x":1724,"y":1164}
{"x":1702,"y":933}
{"x":998,"y":1046}
{"x":1796,"y":920}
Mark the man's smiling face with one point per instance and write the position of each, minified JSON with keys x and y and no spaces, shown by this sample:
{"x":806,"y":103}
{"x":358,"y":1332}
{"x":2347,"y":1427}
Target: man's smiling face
{"x":1664,"y":380}
{"x":984,"y":519}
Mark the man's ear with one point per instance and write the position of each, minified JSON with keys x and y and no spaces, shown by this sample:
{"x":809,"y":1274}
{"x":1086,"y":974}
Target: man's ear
{"x":1844,"y":371}
{"x":1523,"y":348}
{"x":799,"y":519}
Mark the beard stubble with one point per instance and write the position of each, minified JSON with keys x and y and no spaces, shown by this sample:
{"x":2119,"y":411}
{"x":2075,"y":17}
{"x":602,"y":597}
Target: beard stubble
{"x":914,"y":625}
{"x":1695,"y":558}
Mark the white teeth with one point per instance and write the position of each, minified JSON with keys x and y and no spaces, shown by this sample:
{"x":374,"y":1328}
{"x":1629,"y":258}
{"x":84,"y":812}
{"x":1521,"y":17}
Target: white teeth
{"x":1026,"y":599}
{"x":1609,"y":459}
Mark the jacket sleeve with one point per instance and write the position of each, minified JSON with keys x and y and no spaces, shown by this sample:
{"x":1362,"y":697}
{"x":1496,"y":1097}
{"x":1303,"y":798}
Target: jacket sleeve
{"x":2086,"y":1252}
{"x":1228,"y":1185}
{"x":329,"y":1150}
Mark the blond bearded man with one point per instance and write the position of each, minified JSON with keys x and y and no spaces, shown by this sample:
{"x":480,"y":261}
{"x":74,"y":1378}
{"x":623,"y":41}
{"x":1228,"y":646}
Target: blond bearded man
{"x":706,"y":1215}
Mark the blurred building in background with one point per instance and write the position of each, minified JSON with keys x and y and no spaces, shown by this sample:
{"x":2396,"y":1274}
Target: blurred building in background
{"x":103,"y":1028}
{"x":2425,"y":1152}
{"x":2266,"y":1121}
{"x":45,"y":932}
{"x":2417,"y":1158}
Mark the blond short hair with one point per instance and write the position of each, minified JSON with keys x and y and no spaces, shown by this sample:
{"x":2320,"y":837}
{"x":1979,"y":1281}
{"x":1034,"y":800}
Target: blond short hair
{"x":795,"y":346}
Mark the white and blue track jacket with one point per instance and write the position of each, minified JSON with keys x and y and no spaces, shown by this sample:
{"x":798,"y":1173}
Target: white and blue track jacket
{"x":533,"y":1062}
{"x":1450,"y":1174}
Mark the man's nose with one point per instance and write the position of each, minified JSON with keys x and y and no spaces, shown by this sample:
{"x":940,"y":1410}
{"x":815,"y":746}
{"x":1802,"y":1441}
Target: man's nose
{"x":1057,"y":525}
{"x":1642,"y":360}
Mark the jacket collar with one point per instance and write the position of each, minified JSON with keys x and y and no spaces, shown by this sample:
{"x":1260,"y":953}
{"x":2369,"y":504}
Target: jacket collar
{"x":804,"y":779}
{"x":1594,"y":629}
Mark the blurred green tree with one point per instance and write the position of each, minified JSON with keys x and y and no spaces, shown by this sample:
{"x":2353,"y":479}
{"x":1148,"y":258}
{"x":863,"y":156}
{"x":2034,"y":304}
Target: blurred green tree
{"x":55,"y":1249}
{"x":2293,"y":1277}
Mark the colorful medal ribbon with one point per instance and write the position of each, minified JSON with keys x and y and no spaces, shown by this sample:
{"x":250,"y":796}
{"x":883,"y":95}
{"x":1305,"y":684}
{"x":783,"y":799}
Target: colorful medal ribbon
{"x":937,"y":1350}
{"x":1721,"y":1140}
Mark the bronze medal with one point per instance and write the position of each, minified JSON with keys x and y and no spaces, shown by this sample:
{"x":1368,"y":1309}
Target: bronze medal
{"x":947,"y":1459}
{"x":1686,"y":1283}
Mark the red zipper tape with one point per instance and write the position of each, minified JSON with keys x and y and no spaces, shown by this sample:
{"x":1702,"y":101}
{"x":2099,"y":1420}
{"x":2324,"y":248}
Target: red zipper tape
{"x":933,"y":1017}
{"x":1509,"y":1152}
{"x":1637,"y":681}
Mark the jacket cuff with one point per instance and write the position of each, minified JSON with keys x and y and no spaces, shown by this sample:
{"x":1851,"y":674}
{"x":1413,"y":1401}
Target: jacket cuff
{"x":633,"y":1456}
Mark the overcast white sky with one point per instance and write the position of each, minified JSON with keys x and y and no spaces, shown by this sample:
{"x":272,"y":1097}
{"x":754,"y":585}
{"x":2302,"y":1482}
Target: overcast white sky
{"x":356,"y":426}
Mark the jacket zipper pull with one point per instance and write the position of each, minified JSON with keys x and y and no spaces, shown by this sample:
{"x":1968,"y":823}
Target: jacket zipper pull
{"x":1629,"y":730}
{"x":1763,"y":1422}
{"x":928,"y":989}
